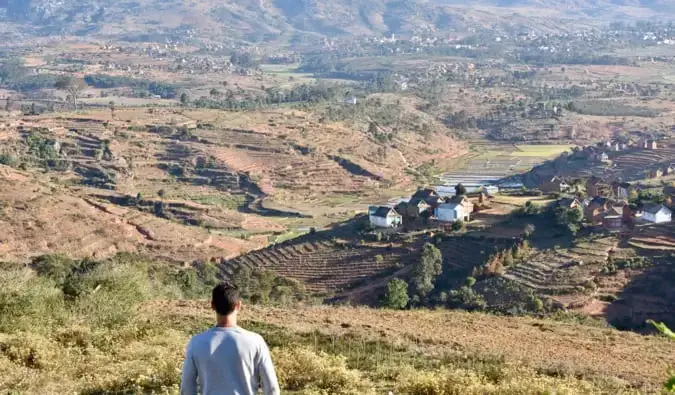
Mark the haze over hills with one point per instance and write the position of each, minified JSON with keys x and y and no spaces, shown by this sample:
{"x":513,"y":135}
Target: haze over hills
{"x":265,"y":20}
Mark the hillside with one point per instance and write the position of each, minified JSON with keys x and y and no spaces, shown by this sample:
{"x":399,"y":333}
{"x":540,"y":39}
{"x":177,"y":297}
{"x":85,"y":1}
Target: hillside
{"x":284,"y":21}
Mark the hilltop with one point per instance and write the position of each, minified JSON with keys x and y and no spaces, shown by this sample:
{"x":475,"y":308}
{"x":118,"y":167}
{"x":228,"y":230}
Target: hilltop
{"x":296,"y":22}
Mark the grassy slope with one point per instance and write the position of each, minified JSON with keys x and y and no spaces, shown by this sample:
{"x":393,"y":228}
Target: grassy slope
{"x":121,"y":330}
{"x":373,"y":339}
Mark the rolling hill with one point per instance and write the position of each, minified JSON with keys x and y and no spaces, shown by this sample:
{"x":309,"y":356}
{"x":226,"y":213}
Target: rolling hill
{"x":262,"y":21}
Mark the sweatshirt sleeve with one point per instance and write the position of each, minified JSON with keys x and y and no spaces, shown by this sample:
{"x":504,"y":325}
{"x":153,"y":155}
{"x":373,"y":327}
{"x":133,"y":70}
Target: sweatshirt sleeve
{"x":188,"y":382}
{"x":270,"y":384}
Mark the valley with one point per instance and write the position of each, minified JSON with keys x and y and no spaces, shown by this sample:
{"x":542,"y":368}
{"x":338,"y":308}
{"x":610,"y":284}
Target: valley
{"x":423,"y":197}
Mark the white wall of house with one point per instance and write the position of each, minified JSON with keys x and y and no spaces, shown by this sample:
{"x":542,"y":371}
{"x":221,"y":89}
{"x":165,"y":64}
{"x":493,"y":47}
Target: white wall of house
{"x":389,"y":222}
{"x":662,"y":216}
{"x":445,"y":213}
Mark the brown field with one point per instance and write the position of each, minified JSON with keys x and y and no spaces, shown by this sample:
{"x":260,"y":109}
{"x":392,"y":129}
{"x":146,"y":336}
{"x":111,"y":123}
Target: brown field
{"x":588,"y":351}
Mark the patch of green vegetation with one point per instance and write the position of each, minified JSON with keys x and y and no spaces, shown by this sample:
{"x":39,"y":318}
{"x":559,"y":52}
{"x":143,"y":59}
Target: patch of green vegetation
{"x":226,"y":201}
{"x":543,"y":151}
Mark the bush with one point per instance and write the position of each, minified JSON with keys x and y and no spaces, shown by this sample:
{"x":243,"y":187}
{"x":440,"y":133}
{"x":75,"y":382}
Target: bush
{"x":467,"y":298}
{"x":28,"y":302}
{"x":30,"y":350}
{"x":447,"y":381}
{"x":9,"y":160}
{"x":301,"y":369}
{"x":396,"y":295}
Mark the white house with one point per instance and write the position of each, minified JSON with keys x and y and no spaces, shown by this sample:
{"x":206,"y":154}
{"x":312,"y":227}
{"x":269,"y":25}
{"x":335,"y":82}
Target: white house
{"x":384,"y":217}
{"x":657,"y":213}
{"x":451,"y":212}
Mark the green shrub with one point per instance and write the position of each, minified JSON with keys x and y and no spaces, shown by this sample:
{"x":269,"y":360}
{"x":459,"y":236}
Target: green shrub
{"x":396,"y":295}
{"x":29,"y":350}
{"x":28,"y":302}
{"x":109,"y":294}
{"x":301,"y":369}
{"x":55,"y":267}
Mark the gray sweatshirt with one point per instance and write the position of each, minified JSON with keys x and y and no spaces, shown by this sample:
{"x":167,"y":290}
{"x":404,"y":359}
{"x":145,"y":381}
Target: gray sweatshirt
{"x":228,"y":361}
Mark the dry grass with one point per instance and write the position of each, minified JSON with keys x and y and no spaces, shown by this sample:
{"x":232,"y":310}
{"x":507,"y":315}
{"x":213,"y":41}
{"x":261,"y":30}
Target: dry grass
{"x":528,"y":343}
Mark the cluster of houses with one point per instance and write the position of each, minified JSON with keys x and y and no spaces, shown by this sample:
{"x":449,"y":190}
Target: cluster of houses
{"x":607,"y":204}
{"x":601,"y":152}
{"x":426,"y":204}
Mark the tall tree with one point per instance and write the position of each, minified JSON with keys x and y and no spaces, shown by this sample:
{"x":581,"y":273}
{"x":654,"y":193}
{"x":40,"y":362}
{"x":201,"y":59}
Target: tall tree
{"x":73,"y":86}
{"x":428,"y":268}
{"x":184,"y":99}
{"x":460,"y":190}
{"x":111,"y":106}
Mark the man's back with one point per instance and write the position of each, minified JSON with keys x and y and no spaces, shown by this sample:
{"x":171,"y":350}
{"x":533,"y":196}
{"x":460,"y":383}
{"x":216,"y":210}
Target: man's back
{"x":228,"y":361}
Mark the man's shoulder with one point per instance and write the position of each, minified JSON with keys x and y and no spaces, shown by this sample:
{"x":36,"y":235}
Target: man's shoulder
{"x":238,"y":332}
{"x":250,"y":335}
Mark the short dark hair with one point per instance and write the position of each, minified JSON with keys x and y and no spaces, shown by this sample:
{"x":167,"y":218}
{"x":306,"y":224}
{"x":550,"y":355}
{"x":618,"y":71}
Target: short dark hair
{"x":224,"y":298}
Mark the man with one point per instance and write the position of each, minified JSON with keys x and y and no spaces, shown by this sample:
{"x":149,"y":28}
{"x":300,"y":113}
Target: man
{"x":228,"y":360}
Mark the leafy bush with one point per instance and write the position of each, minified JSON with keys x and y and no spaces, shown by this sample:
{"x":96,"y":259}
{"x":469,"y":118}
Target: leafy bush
{"x":27,"y":300}
{"x":301,"y":369}
{"x":262,"y":287}
{"x":396,"y":295}
{"x":9,"y":160}
{"x":466,"y":298}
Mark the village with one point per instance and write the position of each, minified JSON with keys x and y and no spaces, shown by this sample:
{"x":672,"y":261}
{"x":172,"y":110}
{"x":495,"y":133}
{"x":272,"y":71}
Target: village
{"x":606,"y":201}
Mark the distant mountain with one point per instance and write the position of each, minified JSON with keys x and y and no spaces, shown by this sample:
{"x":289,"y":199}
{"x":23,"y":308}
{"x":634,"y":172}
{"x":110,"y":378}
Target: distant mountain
{"x":291,"y":20}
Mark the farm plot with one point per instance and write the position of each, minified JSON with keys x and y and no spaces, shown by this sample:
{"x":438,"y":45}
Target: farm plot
{"x":500,"y":161}
{"x":323,"y":266}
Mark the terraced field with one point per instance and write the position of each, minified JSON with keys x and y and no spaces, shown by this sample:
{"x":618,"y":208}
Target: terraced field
{"x":630,"y":165}
{"x":563,"y":274}
{"x":494,"y":162}
{"x":324,"y":266}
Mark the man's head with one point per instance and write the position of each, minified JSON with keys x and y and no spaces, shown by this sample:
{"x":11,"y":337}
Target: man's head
{"x":225,"y":299}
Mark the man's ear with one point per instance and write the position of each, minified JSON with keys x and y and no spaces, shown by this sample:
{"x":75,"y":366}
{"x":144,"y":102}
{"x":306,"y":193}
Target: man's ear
{"x":238,"y":306}
{"x":213,"y":306}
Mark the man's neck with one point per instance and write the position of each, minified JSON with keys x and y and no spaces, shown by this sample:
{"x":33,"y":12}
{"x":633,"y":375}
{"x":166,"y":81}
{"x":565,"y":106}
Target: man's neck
{"x":229,"y":321}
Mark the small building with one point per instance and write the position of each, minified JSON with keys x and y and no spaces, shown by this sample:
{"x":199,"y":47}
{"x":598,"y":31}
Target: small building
{"x":463,"y":201}
{"x":384,"y":217}
{"x":596,"y":186}
{"x":351,"y":100}
{"x":655,"y":173}
{"x":554,"y":185}
{"x":603,"y":157}
{"x":613,"y":218}
{"x":622,"y":190}
{"x":652,"y":145}
{"x":451,"y":212}
{"x":668,"y":170}
{"x":656,"y":213}
{"x":424,"y":194}
{"x":414,"y":208}
{"x":596,"y":208}
{"x":570,"y":203}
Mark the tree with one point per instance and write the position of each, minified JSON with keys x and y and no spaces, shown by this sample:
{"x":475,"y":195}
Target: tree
{"x":111,"y":106}
{"x":460,"y":190}
{"x":396,"y":295}
{"x":427,"y":269}
{"x":73,"y":86}
{"x":184,"y":99}
{"x":214,"y":92}
{"x":569,"y":217}
{"x":457,"y":226}
{"x":8,"y":104}
{"x":161,"y":193}
{"x":372,"y":129}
